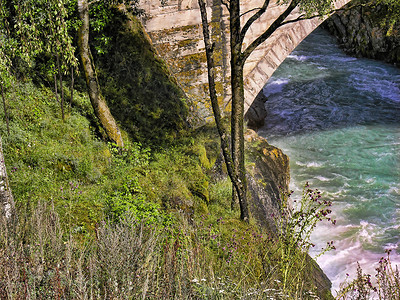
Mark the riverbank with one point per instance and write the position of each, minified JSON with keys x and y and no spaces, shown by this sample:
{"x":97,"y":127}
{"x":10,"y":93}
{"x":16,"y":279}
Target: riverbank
{"x":122,"y":223}
{"x":337,"y":118}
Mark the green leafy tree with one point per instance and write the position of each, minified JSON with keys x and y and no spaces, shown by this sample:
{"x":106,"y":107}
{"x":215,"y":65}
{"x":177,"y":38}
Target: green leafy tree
{"x":6,"y":47}
{"x":42,"y":28}
{"x":5,"y":61}
{"x":48,"y":28}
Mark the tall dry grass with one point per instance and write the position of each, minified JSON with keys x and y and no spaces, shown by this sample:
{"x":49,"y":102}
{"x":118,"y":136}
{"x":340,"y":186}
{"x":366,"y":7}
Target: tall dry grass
{"x":40,"y":258}
{"x":127,"y":260}
{"x":124,"y":260}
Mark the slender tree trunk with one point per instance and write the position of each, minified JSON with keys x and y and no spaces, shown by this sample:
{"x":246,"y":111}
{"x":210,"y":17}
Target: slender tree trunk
{"x":55,"y":84}
{"x":98,"y":102}
{"x":236,"y":183}
{"x":61,"y":85}
{"x":5,"y":108}
{"x":6,"y":197}
{"x":237,"y":115}
{"x":72,"y":88}
{"x":237,"y":128}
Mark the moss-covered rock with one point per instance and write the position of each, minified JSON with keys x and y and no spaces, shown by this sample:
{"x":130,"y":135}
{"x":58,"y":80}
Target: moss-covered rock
{"x":268,"y":177}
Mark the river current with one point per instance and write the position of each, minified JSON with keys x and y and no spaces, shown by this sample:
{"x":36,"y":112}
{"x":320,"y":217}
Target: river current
{"x":338,"y":119}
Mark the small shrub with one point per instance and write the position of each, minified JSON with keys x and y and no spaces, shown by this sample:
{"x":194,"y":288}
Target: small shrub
{"x":287,"y":255}
{"x":387,"y":286}
{"x":131,"y":199}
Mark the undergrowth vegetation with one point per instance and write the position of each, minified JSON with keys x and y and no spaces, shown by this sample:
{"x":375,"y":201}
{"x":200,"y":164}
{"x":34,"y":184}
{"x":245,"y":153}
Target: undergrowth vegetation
{"x":68,"y":163}
{"x":211,"y":258}
{"x":96,"y":221}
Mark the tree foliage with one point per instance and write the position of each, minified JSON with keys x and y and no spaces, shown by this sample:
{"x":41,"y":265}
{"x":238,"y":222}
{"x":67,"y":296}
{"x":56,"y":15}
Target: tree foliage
{"x":392,"y":14}
{"x":42,"y":27}
{"x":46,"y":31}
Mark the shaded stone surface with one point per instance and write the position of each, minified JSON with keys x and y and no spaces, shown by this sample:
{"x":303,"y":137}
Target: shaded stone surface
{"x":255,"y":116}
{"x":360,"y":32}
{"x":268,"y":176}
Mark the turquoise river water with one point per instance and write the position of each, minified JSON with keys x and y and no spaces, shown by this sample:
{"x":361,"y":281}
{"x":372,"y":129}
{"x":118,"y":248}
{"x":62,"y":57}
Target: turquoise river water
{"x":338,"y":119}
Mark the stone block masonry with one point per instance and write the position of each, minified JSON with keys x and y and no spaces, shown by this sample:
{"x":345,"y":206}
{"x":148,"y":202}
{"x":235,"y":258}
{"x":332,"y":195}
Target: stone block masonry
{"x":175,"y":30}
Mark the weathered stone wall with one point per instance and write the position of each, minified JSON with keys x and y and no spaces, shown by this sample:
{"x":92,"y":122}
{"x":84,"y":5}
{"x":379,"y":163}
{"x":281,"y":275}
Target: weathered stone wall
{"x":360,"y":32}
{"x":175,"y":30}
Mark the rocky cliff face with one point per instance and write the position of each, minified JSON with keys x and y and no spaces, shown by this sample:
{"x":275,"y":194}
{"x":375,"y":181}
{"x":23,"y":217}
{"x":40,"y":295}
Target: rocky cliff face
{"x":363,"y":32}
{"x":269,"y":176}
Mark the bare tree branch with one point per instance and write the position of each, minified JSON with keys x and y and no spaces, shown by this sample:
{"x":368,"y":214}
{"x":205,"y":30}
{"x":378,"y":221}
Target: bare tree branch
{"x":271,"y":29}
{"x":333,"y":11}
{"x":249,"y":11}
{"x":300,"y":18}
{"x":253,"y":18}
{"x":280,"y":22}
{"x":226,"y":4}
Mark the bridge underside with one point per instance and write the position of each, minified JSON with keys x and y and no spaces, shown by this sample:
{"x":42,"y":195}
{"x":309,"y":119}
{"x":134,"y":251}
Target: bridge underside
{"x":175,"y":30}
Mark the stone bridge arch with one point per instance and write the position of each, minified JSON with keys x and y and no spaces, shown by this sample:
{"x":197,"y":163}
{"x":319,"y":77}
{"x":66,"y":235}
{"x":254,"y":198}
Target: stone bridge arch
{"x":175,"y":30}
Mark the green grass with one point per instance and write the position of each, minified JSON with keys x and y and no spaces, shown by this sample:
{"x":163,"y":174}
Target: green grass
{"x":69,"y":164}
{"x":91,"y":204}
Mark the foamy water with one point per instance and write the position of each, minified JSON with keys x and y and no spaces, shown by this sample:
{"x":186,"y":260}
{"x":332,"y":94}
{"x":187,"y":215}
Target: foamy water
{"x":338,"y":119}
